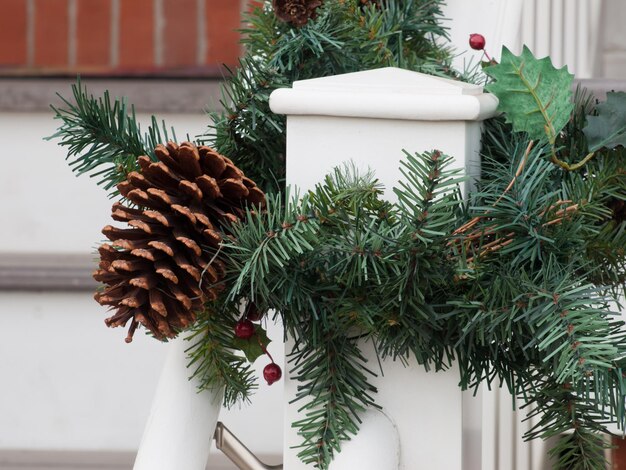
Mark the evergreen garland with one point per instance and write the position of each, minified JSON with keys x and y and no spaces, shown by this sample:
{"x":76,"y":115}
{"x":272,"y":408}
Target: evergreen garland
{"x":516,"y":284}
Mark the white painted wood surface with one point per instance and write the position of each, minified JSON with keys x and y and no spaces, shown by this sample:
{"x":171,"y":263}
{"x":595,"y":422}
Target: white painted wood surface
{"x":361,"y":453}
{"x":426,"y":408}
{"x":182,"y":420}
{"x":498,"y":20}
{"x":569,"y":31}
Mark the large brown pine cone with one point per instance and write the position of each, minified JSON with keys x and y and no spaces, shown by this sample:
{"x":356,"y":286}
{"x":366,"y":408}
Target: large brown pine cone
{"x":161,"y":270}
{"x":296,"y":12}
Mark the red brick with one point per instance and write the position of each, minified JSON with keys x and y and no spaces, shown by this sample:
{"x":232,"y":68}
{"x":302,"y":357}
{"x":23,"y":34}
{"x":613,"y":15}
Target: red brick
{"x":222,"y":20}
{"x":13,"y":32}
{"x":618,"y":457}
{"x":93,"y":33}
{"x":180,"y":35}
{"x":51,"y":33}
{"x":252,"y":4}
{"x":136,"y":40}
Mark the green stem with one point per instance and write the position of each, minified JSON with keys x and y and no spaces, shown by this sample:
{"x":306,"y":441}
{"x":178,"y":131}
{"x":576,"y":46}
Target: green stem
{"x":567,"y":166}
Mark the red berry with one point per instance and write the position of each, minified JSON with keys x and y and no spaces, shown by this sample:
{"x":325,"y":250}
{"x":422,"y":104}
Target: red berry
{"x":272,"y":373}
{"x":477,"y":41}
{"x":253,"y":313}
{"x":244,"y":329}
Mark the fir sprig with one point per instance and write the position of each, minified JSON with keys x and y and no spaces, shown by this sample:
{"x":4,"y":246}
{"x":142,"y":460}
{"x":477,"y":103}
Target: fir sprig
{"x":103,"y":137}
{"x":213,"y":359}
{"x":334,"y":388}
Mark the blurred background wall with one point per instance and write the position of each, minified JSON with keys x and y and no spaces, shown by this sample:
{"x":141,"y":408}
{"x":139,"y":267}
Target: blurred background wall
{"x":68,"y":384}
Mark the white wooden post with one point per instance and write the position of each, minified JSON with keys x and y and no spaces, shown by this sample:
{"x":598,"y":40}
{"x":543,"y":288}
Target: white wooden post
{"x":181,"y":424}
{"x":369,"y":118}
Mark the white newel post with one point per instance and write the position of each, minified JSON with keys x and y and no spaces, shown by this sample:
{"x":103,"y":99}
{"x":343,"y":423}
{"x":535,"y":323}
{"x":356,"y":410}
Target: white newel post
{"x":181,"y":424}
{"x":369,"y":118}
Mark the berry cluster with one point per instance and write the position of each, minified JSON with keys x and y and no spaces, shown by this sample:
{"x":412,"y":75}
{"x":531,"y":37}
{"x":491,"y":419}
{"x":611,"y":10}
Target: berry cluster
{"x":245,"y":329}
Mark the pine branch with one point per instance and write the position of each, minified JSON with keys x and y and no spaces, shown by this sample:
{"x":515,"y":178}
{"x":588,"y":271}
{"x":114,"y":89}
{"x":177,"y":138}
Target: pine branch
{"x":247,"y":131}
{"x":335,"y":390}
{"x":429,"y":193}
{"x":212,"y":356}
{"x":267,"y":243}
{"x":580,"y":444}
{"x":102,"y":136}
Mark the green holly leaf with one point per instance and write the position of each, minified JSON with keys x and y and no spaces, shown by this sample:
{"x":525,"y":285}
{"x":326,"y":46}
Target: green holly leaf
{"x":535,"y":96}
{"x":253,"y":346}
{"x":608,"y":128}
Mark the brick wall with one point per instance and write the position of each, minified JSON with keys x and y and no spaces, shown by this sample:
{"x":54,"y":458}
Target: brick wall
{"x":118,"y":37}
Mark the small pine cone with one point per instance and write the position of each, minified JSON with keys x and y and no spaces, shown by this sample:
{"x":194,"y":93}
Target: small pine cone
{"x":618,"y":207}
{"x":296,"y":12}
{"x":158,"y":272}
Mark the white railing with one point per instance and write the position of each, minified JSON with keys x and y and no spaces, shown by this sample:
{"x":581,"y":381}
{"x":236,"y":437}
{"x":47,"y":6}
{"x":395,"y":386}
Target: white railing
{"x":498,"y":434}
{"x":566,"y":30}
{"x":569,"y":31}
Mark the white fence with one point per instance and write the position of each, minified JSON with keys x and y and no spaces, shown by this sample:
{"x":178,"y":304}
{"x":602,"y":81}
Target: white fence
{"x":569,"y":31}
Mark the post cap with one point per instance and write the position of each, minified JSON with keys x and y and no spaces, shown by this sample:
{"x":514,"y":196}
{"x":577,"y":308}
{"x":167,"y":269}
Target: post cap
{"x":386,"y":93}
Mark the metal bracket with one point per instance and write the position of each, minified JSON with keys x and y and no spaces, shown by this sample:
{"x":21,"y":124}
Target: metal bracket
{"x":238,"y":453}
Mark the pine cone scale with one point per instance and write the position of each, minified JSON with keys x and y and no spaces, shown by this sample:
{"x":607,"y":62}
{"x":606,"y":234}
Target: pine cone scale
{"x":146,"y":281}
{"x":165,"y":220}
{"x":209,"y":187}
{"x":163,"y":155}
{"x":191,"y":189}
{"x":143,"y":226}
{"x":162,"y":246}
{"x":188,"y":160}
{"x":138,"y":181}
{"x":189,"y":243}
{"x":185,"y":213}
{"x":213,"y":238}
{"x":130,"y":265}
{"x":161,"y":197}
{"x":234,"y":188}
{"x":156,"y":303}
{"x":115,"y":234}
{"x":145,"y":254}
{"x":212,"y":162}
{"x":144,"y":163}
{"x":123,"y":214}
{"x":161,"y":176}
{"x":141,"y":198}
{"x":203,"y":220}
